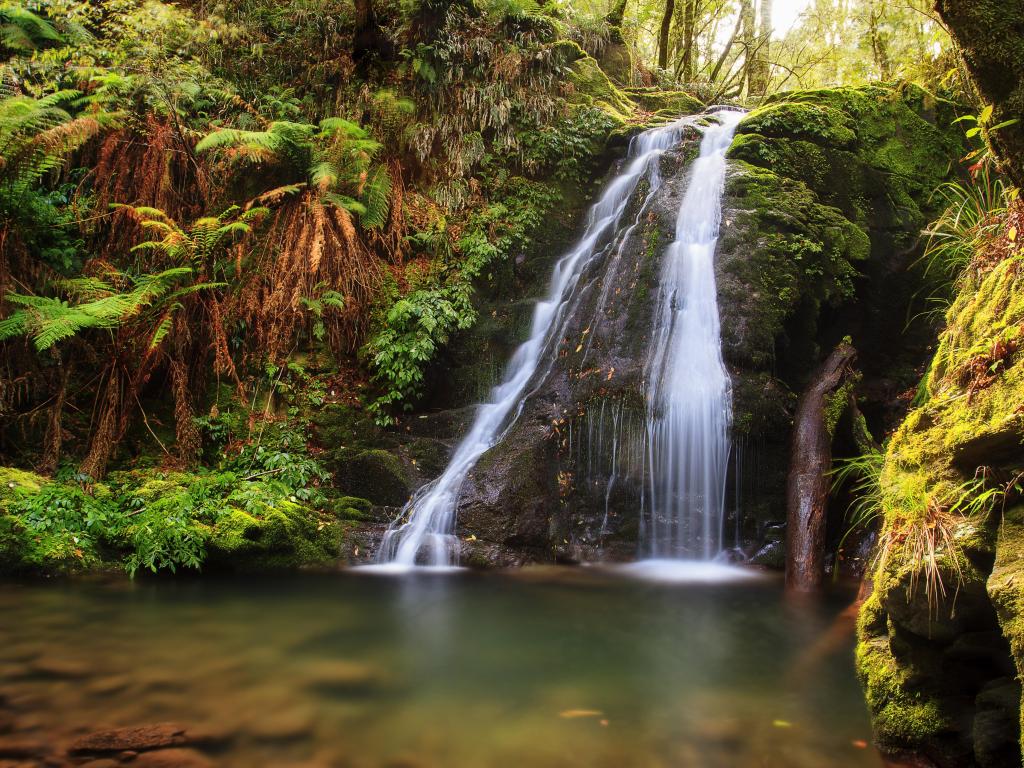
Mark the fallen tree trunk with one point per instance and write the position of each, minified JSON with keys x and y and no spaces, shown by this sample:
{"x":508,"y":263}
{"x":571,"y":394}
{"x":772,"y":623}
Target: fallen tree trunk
{"x":807,"y":487}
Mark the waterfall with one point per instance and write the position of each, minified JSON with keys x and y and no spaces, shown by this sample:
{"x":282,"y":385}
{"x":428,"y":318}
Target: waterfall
{"x":689,"y":394}
{"x":424,"y":531}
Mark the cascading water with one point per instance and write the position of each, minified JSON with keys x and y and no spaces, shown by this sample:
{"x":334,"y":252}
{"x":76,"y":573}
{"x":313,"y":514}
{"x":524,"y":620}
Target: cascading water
{"x":424,"y":531}
{"x":689,"y":391}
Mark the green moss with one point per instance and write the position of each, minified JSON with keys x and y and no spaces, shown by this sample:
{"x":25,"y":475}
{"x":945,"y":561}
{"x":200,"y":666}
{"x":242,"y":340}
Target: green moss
{"x":595,"y":88}
{"x":806,"y":252}
{"x":373,"y":474}
{"x":17,"y":483}
{"x":902,"y":718}
{"x":799,"y":120}
{"x":930,"y":468}
{"x":668,"y":104}
{"x":1006,"y":588}
{"x":836,"y":405}
{"x":351,"y":508}
{"x":284,"y":535}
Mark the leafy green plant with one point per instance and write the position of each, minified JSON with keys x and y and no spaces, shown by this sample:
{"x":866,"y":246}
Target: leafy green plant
{"x":334,"y":158}
{"x":861,"y":475}
{"x":972,"y":217}
{"x":23,"y":32}
{"x":102,"y":304}
{"x":415,"y":326}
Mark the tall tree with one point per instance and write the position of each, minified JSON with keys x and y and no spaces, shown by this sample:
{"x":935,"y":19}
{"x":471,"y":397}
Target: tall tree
{"x":748,"y":36}
{"x":758,"y":70}
{"x":689,"y":23}
{"x":666,"y":26}
{"x":878,"y":39}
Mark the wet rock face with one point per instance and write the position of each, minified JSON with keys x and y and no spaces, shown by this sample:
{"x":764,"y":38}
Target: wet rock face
{"x":547,"y":490}
{"x":939,"y":676}
{"x":821,"y":214}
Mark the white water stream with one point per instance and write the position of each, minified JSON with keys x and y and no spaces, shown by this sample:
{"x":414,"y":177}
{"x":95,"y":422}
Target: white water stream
{"x":689,"y":391}
{"x":423,"y":534}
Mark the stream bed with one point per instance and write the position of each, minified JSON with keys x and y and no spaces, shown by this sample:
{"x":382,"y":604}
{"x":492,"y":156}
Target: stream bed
{"x":540,"y":667}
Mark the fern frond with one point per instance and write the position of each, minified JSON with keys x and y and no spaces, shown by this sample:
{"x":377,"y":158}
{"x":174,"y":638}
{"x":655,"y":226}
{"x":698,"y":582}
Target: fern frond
{"x":344,"y":201}
{"x":338,"y":127}
{"x":376,"y":198}
{"x":324,"y":175}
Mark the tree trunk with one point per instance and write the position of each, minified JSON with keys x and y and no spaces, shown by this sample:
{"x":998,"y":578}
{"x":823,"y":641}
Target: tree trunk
{"x":107,"y":432}
{"x":666,"y":26}
{"x":54,"y":439}
{"x":879,"y":47}
{"x":807,"y":487}
{"x":188,"y":440}
{"x":747,"y":37}
{"x":689,"y":19}
{"x":758,"y":81}
{"x":990,"y":34}
{"x":725,"y":51}
{"x":617,"y":14}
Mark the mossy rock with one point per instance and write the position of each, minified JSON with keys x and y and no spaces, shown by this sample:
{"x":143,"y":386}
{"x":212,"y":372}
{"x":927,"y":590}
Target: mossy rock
{"x":795,"y":120}
{"x":903,"y":718}
{"x":932,"y":462}
{"x":374,"y":474}
{"x":282,"y":536}
{"x":671,"y":104}
{"x":337,"y":425}
{"x":1006,"y":588}
{"x":595,"y":88}
{"x":616,"y":59}
{"x":805,"y":253}
{"x":18,"y":483}
{"x":351,"y":508}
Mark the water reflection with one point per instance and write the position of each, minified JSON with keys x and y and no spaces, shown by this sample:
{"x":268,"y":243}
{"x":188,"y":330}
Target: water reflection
{"x":549,"y":667}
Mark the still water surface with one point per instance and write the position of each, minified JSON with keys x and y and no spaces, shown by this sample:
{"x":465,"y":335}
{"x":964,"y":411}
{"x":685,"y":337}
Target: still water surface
{"x":541,"y":668}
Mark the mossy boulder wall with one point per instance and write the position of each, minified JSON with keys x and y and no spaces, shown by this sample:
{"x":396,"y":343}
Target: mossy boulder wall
{"x":826,"y":195}
{"x":941,"y":661}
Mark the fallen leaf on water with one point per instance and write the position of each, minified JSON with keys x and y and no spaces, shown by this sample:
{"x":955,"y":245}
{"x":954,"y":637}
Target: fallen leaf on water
{"x":859,"y":743}
{"x":604,"y":723}
{"x":782,"y":723}
{"x":572,"y":714}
